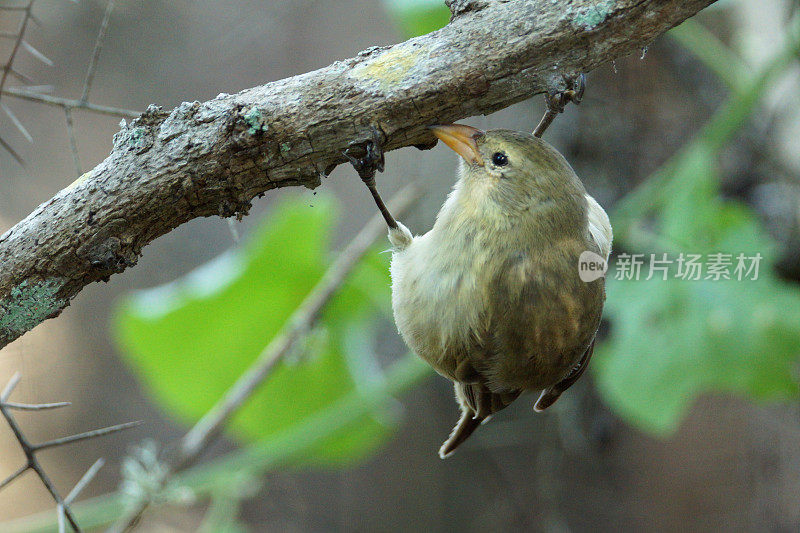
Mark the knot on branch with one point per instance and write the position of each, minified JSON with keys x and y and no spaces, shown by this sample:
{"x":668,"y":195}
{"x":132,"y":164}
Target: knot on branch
{"x":459,"y":7}
{"x":139,"y":134}
{"x":234,"y":207}
{"x":154,"y":115}
{"x":111,"y":256}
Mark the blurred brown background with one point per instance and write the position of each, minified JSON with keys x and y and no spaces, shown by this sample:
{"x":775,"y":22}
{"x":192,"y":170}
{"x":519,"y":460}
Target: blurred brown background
{"x":733,"y":466}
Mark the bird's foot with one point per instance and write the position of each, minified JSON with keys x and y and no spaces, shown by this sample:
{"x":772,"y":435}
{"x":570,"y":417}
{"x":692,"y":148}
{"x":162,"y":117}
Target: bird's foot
{"x":551,"y":394}
{"x":367,"y":165}
{"x":576,"y":86}
{"x":556,"y":102}
{"x":372,"y":161}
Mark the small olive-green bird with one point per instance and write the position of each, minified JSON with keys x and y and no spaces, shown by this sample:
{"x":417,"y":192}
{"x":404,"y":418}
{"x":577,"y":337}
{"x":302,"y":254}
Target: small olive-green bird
{"x":491,"y":297}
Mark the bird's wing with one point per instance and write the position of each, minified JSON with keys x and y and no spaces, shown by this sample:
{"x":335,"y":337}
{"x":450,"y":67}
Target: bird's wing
{"x":600,"y":227}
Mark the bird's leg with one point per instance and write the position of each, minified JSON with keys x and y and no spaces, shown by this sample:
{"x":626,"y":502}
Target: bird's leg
{"x":367,"y":166}
{"x":556,"y":102}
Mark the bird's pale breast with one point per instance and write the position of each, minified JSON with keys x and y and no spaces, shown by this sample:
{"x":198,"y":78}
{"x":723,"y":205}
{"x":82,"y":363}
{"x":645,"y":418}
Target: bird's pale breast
{"x":518,"y":323}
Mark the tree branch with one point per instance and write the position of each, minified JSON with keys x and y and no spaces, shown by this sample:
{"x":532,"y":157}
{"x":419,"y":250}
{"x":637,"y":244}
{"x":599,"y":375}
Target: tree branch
{"x":213,"y":158}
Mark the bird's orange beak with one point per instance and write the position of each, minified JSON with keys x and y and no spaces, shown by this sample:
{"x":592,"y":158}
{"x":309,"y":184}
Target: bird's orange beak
{"x":462,"y":139}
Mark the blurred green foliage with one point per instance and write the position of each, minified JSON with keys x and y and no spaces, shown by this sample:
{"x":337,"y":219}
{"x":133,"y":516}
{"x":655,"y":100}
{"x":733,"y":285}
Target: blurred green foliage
{"x":674,"y":340}
{"x":418,"y":17}
{"x":223,"y":476}
{"x":190,"y":340}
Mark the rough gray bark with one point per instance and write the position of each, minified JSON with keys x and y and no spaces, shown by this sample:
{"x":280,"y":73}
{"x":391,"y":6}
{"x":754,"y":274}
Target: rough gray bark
{"x":213,"y":158}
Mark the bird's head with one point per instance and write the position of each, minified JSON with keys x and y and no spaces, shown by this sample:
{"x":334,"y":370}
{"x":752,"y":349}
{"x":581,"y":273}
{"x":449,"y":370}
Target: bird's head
{"x":513,"y":170}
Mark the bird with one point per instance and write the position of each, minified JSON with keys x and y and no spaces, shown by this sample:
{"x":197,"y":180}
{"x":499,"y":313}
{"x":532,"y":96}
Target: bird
{"x":491,"y":297}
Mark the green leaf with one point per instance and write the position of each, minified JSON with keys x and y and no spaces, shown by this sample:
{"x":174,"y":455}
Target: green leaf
{"x":189,"y":340}
{"x":418,"y":17}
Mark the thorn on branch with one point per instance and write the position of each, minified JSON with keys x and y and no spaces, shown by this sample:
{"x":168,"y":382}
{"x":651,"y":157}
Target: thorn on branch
{"x":73,"y":143}
{"x":37,"y":54}
{"x":36,"y":407}
{"x":7,"y":147}
{"x":17,"y":74}
{"x":17,"y":122}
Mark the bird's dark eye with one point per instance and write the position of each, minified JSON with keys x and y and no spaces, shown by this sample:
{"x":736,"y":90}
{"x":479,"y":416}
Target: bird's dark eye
{"x":500,"y":159}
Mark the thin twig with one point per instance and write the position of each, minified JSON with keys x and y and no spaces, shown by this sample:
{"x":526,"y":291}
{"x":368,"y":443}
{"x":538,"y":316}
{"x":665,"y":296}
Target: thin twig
{"x":30,"y":450}
{"x":24,"y":94}
{"x":98,"y":45}
{"x":21,"y":470}
{"x":198,"y":438}
{"x":65,"y":103}
{"x":10,"y":386}
{"x":31,"y":461}
{"x":62,"y":527}
{"x":85,"y":480}
{"x":73,"y":143}
{"x":51,"y":488}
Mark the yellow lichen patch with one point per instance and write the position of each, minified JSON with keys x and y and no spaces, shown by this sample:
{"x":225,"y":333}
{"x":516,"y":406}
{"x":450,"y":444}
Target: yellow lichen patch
{"x":83,"y":177}
{"x":391,"y":67}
